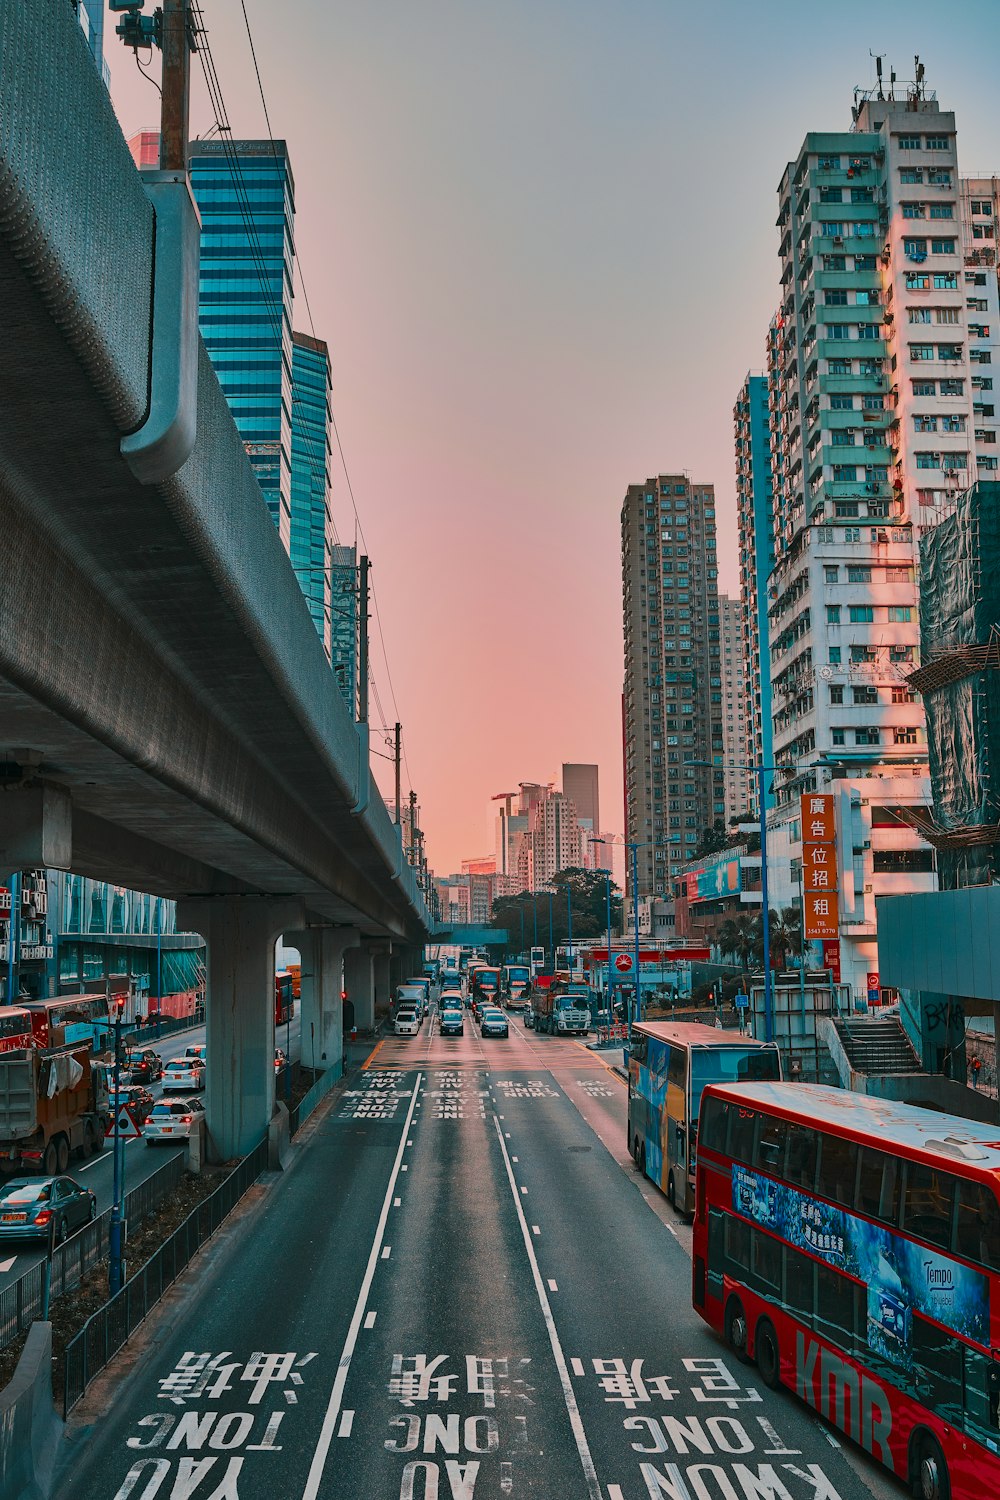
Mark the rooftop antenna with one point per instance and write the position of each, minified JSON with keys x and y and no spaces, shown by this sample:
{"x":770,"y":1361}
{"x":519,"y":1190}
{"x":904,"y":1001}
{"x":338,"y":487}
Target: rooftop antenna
{"x":878,"y":56}
{"x":892,"y":84}
{"x":918,"y":74}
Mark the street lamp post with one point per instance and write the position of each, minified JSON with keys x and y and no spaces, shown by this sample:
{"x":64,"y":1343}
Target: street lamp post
{"x":611,"y":983}
{"x":115,"y":1227}
{"x":159,"y":963}
{"x":569,"y":925}
{"x":552,"y":941}
{"x":520,"y":912}
{"x":637,"y":1005}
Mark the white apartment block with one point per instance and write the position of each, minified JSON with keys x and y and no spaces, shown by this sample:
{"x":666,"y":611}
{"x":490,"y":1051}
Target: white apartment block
{"x":736,"y":714}
{"x":980,"y":226}
{"x":873,"y":422}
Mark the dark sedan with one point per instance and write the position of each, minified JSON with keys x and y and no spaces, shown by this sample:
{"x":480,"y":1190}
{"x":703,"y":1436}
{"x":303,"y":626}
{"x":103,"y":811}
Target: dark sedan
{"x":452,"y":1023}
{"x":494,"y":1023}
{"x":136,"y":1098}
{"x":143,"y":1065}
{"x":33,"y":1207}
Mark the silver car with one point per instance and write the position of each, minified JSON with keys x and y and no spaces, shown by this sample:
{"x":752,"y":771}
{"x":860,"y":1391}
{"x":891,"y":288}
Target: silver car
{"x":173,"y":1120}
{"x":407,"y":1023}
{"x":182,"y":1074}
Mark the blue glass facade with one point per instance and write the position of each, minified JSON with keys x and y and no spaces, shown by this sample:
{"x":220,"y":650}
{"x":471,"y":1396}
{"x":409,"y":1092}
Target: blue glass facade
{"x":312,"y":521}
{"x":245,"y":300}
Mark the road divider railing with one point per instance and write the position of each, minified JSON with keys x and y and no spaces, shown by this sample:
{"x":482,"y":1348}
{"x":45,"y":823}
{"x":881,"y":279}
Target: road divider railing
{"x":108,"y":1329}
{"x":22,"y":1301}
{"x":300,"y":1111}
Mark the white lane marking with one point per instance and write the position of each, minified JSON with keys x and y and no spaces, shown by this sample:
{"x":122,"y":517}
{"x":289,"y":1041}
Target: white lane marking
{"x":507,"y":1132}
{"x":5,"y":1265}
{"x":524,"y":1190}
{"x":318,"y":1464}
{"x":409,"y":1143}
{"x":535,"y":1229}
{"x":396,"y":1202}
{"x":370,"y":1319}
{"x":404,"y":1169}
{"x":346,"y":1423}
{"x":132,"y":1141}
{"x":386,"y":1252}
{"x":615,"y":1490}
{"x":553,"y":1287}
{"x":576,"y":1421}
{"x":577,"y":1367}
{"x":513,"y":1158}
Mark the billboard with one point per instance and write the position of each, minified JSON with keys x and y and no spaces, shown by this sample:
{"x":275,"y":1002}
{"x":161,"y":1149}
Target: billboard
{"x":819,"y":866}
{"x":715,"y":877}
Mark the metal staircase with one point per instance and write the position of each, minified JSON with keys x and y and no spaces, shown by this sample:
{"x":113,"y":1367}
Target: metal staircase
{"x":877,"y":1045}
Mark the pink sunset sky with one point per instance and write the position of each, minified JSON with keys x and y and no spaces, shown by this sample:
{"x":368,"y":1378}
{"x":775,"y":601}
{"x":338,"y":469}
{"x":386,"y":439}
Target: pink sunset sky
{"x":539,"y":239}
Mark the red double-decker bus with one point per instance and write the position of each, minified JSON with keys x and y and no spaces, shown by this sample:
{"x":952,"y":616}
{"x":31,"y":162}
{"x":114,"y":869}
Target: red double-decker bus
{"x":15,"y":1029}
{"x":284,"y":998}
{"x":851,"y":1246}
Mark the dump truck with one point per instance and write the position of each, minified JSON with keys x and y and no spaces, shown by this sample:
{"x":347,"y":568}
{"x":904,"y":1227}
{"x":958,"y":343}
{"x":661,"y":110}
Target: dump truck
{"x":562,"y":1010}
{"x":54,"y":1103}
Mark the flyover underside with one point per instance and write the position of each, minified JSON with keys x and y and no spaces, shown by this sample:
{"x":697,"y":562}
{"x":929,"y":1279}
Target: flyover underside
{"x":157,"y":658}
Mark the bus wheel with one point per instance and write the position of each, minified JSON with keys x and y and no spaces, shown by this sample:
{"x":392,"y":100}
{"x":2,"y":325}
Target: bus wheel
{"x":766,"y":1350}
{"x":642,"y":1158}
{"x":62,"y":1154}
{"x":736,"y":1328}
{"x":930,"y":1472}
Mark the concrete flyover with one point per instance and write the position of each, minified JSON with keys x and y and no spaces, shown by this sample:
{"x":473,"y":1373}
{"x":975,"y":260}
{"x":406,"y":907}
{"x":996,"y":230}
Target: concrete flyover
{"x":168,"y":719}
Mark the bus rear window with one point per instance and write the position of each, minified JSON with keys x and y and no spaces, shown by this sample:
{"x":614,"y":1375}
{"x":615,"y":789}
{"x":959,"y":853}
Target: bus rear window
{"x":730,"y":1065}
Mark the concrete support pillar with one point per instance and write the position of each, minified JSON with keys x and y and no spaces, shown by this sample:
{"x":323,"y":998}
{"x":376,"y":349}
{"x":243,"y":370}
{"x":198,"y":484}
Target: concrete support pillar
{"x":322,"y":952}
{"x":381,"y":966}
{"x":396,"y":974}
{"x":359,"y":984}
{"x":240,"y":933}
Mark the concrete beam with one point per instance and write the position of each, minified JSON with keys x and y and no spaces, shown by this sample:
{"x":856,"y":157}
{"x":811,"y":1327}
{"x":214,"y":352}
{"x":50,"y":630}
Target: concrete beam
{"x":322,"y":950}
{"x":240,"y":933}
{"x":36,"y":828}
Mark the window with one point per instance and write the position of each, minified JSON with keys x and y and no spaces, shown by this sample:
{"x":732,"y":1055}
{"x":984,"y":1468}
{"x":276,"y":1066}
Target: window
{"x":911,"y":174}
{"x":942,"y":247}
{"x":831,"y":574}
{"x":909,"y":143}
{"x":834,"y":656}
{"x":841,"y":403}
{"x":903,"y":695}
{"x":921,"y":352}
{"x":914,"y":211}
{"x":769,"y":1151}
{"x":836,"y":298}
{"x":928,"y":1202}
{"x":845,"y":474}
{"x":828,"y":163}
{"x":841,"y":367}
{"x":837,"y":737}
{"x":926,"y":460}
{"x":923,"y":423}
{"x":799,"y":1285}
{"x":869,"y":330}
{"x":861,"y":614}
{"x":936,"y":143}
{"x":843,"y":438}
{"x":835,"y":1304}
{"x":836,"y":693}
{"x":839,"y":330}
{"x":865,"y":694}
{"x":919,"y":314}
{"x":831,"y":195}
{"x":977,"y":1224}
{"x":856,"y":573}
{"x":833,"y":614}
{"x":942,"y":210}
{"x":953,"y":387}
{"x":924,"y":387}
{"x":863,"y":654}
{"x":904,"y":735}
{"x":937,"y":1368}
{"x":766,"y":1262}
{"x":737,"y":1247}
{"x":878,"y":1185}
{"x":866,"y":737}
{"x":838,"y":1170}
{"x":946,"y":315}
{"x":915,"y":249}
{"x":862,"y":195}
{"x":951,"y":462}
{"x":900,"y":614}
{"x":864,"y":262}
{"x":915,"y":282}
{"x":946,"y":281}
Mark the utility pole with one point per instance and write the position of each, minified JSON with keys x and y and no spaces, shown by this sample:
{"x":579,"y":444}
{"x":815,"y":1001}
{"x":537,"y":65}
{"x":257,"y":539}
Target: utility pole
{"x":363,"y":567}
{"x":176,"y":82}
{"x":397,"y":757}
{"x":413,"y":824}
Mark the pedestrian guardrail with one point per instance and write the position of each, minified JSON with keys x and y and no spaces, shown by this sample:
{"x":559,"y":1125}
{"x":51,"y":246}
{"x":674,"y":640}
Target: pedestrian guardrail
{"x":21,"y":1302}
{"x":616,"y":1033}
{"x":167,"y":1026}
{"x":301,"y":1111}
{"x":109,"y":1329}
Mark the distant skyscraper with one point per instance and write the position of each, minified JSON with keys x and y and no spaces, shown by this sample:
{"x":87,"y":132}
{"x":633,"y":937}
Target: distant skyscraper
{"x":735,"y":707}
{"x":754,"y":509}
{"x":579,"y":784}
{"x":674,"y":780}
{"x":555,"y":838}
{"x":245,"y":299}
{"x":91,"y":17}
{"x":311,"y":515}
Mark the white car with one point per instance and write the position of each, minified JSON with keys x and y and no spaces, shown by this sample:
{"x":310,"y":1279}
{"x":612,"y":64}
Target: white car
{"x":200,"y":1051}
{"x":173,"y":1120}
{"x":407,"y":1023}
{"x":183,"y":1073}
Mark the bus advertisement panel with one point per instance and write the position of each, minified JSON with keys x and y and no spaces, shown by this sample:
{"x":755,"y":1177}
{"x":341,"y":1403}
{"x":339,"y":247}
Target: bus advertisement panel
{"x":851,"y":1245}
{"x":670,"y":1064}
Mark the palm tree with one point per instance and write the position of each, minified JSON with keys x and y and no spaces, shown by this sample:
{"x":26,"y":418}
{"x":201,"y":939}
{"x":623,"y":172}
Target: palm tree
{"x":785,"y":935}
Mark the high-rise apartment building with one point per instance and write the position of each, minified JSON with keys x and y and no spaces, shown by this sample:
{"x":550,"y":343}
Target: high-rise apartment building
{"x":673,"y":741}
{"x":980,"y":199}
{"x":245,"y":299}
{"x":872,"y":421}
{"x":754,"y":510}
{"x":311,"y":517}
{"x":739,"y":784}
{"x":580,"y":785}
{"x":555,"y":839}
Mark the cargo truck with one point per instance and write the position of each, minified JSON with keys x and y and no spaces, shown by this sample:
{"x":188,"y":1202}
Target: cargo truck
{"x":52,"y":1104}
{"x":563,"y":1010}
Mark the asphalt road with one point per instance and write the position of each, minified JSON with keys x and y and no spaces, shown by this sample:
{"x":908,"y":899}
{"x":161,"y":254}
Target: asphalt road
{"x":458,"y":1290}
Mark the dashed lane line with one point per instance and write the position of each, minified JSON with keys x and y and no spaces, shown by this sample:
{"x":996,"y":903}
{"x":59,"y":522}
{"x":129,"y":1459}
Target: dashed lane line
{"x":322,"y":1449}
{"x":569,"y":1395}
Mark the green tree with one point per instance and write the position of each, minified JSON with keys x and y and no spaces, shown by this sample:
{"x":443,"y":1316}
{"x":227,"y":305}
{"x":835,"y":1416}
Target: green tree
{"x":582,"y":891}
{"x":713,"y":839}
{"x":785,"y":932}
